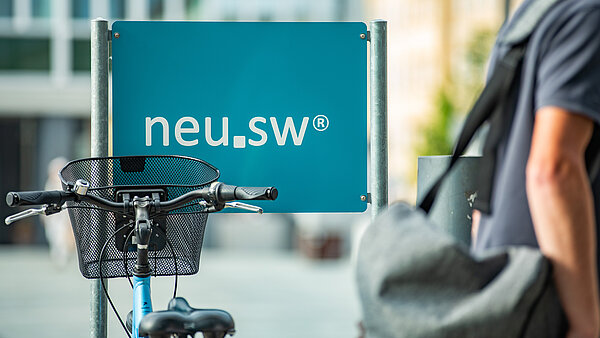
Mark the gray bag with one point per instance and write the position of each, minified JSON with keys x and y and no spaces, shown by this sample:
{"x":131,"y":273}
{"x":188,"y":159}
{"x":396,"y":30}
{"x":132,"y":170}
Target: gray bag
{"x":417,"y":281}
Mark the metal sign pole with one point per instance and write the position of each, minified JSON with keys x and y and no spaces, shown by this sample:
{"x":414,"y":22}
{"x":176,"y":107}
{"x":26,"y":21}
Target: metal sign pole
{"x":99,"y":131}
{"x":378,"y":110}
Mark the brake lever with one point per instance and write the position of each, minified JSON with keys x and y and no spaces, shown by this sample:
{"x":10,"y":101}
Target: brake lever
{"x":244,"y":206}
{"x":207,"y":207}
{"x":47,"y":209}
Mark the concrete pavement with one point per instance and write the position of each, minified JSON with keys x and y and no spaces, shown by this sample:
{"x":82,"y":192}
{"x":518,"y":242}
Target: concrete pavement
{"x":268,"y":293}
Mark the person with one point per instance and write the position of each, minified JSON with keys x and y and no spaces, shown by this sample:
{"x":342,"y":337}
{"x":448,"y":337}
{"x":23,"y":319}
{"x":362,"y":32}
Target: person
{"x":543,"y":195}
{"x":57,"y":227}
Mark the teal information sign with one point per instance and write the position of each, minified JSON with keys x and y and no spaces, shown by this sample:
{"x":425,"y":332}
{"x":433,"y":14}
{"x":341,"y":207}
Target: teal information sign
{"x":268,"y":103}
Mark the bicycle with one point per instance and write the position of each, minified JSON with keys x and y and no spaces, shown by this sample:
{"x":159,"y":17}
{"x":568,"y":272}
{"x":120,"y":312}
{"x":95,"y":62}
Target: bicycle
{"x":136,"y":216}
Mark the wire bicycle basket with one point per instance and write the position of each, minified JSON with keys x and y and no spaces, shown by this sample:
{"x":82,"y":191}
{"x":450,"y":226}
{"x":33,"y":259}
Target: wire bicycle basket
{"x":95,"y":229}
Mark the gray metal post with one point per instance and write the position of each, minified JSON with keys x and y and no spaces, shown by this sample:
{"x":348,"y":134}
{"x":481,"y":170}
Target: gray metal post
{"x":99,"y":130}
{"x":379,"y":135}
{"x":454,"y":202}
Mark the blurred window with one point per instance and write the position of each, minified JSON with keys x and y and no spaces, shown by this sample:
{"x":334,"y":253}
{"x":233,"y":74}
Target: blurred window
{"x":40,"y":8}
{"x":24,"y":54}
{"x":230,"y":16}
{"x":117,"y":9}
{"x":80,"y":9}
{"x":301,"y":14}
{"x":266,"y":16}
{"x":191,"y":9}
{"x":156,"y":9}
{"x":81,"y":55}
{"x":6,"y":8}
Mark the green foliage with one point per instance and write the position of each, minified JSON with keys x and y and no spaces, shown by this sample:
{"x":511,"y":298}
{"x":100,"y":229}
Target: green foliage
{"x":479,"y":49}
{"x":436,"y":135}
{"x":454,"y":100}
{"x":477,"y":55}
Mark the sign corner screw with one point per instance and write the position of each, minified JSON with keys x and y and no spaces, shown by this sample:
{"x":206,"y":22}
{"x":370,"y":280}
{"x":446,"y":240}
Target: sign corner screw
{"x":362,"y":36}
{"x":117,"y":35}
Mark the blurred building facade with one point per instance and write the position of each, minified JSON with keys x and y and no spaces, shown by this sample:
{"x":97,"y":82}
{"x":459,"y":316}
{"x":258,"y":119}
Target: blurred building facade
{"x":45,"y":78}
{"x":428,"y":41}
{"x":45,"y":62}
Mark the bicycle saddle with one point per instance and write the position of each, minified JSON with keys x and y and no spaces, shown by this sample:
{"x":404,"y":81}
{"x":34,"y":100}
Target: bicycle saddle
{"x":182,"y":319}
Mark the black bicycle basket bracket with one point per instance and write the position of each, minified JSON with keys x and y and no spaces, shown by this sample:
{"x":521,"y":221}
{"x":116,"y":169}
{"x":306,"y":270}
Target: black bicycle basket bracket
{"x":112,"y":178}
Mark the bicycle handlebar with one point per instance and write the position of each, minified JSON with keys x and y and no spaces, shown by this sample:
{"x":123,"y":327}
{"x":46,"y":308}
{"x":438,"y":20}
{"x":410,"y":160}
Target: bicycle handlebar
{"x":231,"y":193}
{"x":57,"y":197}
{"x":217,"y":194}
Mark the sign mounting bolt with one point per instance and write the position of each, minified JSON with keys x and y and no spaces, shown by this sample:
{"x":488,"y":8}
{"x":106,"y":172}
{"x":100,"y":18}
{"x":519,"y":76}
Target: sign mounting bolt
{"x":363,"y":198}
{"x":362,"y":35}
{"x":117,"y":35}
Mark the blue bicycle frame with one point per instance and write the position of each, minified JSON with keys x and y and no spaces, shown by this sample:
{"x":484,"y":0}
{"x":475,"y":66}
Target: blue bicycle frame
{"x":142,"y":302}
{"x":147,"y":201}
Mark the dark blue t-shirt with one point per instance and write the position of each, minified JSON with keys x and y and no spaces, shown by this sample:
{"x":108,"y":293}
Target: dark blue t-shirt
{"x":561,"y":68}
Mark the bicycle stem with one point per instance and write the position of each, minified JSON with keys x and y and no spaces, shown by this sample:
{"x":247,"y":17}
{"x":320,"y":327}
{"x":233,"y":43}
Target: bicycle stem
{"x":143,"y":231}
{"x":141,"y":286}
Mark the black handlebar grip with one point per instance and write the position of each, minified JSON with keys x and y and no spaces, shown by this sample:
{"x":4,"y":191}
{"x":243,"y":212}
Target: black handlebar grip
{"x":57,"y":197}
{"x":256,"y":193}
{"x":231,"y":193}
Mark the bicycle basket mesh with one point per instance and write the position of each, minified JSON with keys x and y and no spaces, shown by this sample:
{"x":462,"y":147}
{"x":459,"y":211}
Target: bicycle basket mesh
{"x":95,"y":228}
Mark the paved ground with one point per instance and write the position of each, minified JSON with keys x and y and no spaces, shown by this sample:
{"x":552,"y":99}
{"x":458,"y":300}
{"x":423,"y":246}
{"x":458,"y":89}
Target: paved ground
{"x":269,"y":294}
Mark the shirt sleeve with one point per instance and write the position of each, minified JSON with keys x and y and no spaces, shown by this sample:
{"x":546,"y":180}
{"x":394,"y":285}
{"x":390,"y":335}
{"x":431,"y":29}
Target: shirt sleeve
{"x":569,"y":68}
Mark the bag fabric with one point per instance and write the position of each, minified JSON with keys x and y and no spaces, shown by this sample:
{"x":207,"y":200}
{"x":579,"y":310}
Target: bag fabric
{"x":417,"y":281}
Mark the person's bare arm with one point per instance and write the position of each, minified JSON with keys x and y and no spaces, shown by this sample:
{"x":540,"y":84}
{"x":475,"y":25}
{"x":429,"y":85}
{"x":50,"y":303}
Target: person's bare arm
{"x":562,"y":209}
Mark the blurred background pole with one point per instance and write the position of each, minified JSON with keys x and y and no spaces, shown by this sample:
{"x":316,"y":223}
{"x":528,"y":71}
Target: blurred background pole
{"x":99,"y":130}
{"x":506,"y":10}
{"x":379,"y":136}
{"x":454,"y":202}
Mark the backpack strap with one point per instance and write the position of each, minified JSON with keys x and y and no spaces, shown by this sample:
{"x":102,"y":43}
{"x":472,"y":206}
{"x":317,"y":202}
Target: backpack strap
{"x":495,"y":104}
{"x":497,"y":88}
{"x":500,"y":124}
{"x":522,"y":28}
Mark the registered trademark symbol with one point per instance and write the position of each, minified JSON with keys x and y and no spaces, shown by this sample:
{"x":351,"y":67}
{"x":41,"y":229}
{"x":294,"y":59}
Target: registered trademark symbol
{"x":321,"y":122}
